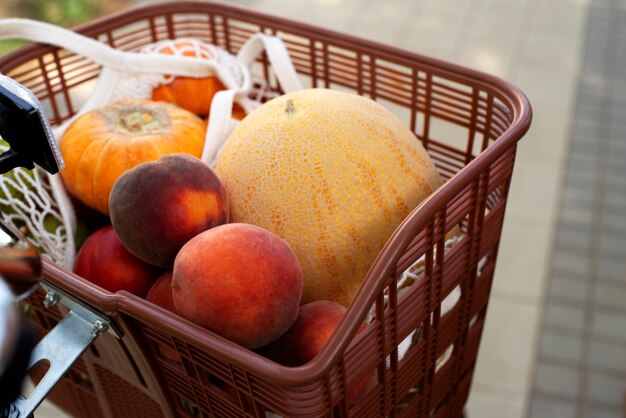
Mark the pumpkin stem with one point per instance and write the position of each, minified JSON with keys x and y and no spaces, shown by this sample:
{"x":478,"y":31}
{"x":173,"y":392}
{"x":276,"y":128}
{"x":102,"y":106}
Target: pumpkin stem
{"x":139,"y":121}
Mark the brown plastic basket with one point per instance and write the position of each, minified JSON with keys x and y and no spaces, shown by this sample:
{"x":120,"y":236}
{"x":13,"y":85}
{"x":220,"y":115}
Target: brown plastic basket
{"x":164,"y":366}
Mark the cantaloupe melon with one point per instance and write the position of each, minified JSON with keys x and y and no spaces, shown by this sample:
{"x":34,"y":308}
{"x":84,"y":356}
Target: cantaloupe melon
{"x":333,"y":174}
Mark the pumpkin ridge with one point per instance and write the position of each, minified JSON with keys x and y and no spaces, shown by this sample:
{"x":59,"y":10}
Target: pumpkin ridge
{"x":70,"y":172}
{"x":159,"y":149}
{"x":94,"y":147}
{"x":172,"y":140}
{"x":110,"y":141}
{"x":181,"y":139}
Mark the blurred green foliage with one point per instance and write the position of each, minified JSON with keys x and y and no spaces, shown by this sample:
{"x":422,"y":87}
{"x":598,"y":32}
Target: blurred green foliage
{"x":62,"y":12}
{"x":66,"y":13}
{"x":9,"y":45}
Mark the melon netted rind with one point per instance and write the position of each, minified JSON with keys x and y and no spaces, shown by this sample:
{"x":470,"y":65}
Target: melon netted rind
{"x":333,"y":174}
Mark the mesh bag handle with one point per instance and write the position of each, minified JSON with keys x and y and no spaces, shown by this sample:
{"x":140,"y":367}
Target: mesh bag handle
{"x":124,"y":61}
{"x":278,"y":56}
{"x":100,"y":53}
{"x":221,"y":107}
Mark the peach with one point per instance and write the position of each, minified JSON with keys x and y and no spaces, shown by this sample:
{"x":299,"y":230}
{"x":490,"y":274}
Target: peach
{"x":239,"y":281}
{"x":158,"y":206}
{"x":104,"y":261}
{"x":316,"y":323}
{"x":161,"y":292}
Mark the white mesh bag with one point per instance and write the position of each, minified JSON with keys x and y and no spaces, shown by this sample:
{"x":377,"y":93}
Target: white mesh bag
{"x":38,"y":202}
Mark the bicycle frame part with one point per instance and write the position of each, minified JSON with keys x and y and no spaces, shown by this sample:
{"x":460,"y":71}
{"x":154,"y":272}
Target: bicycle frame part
{"x":60,"y":348}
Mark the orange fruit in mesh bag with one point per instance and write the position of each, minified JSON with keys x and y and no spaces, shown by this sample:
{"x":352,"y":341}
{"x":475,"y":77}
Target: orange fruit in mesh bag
{"x":333,"y":174}
{"x":193,"y":94}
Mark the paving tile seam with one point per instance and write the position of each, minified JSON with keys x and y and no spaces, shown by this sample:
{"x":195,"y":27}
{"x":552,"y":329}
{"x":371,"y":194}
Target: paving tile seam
{"x":574,"y":364}
{"x":574,"y":303}
{"x":573,"y":332}
{"x":608,"y":407}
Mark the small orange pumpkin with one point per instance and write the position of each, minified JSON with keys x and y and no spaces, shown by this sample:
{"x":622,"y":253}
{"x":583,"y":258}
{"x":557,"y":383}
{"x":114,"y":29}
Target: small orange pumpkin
{"x":193,"y":94}
{"x":101,"y":145}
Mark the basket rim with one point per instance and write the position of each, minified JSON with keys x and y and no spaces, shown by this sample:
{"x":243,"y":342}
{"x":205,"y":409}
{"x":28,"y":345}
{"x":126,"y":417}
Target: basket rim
{"x":383,"y":265}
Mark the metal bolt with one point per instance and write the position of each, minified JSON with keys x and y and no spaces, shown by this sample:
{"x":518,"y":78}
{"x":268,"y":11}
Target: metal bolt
{"x":99,"y":326}
{"x":51,"y":299}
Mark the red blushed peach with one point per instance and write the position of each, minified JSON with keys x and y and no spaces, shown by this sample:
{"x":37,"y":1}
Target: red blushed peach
{"x":316,"y":323}
{"x":158,"y":206}
{"x":105,"y":261}
{"x":161,"y":292}
{"x":239,"y":281}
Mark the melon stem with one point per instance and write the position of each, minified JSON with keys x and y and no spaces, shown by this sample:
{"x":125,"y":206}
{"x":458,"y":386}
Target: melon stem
{"x":290,"y":108}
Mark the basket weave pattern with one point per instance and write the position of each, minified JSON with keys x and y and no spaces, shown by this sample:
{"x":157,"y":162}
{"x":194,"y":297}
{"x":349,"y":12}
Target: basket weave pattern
{"x":165,"y":366}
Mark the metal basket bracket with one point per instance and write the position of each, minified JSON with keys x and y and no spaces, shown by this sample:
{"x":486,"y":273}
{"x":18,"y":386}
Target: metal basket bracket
{"x":61,"y":347}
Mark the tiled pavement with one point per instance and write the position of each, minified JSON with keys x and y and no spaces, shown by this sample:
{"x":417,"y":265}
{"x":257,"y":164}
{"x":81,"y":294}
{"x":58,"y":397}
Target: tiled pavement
{"x":581,"y":366}
{"x":536,"y":44}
